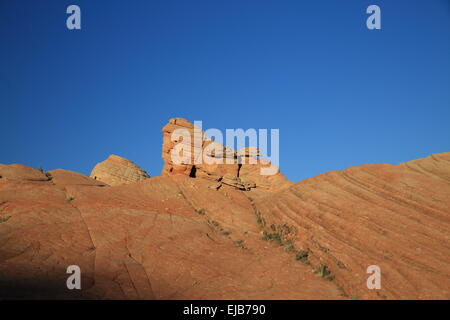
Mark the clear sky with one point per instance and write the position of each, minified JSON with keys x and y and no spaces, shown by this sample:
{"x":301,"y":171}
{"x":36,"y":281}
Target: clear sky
{"x":341,"y":94}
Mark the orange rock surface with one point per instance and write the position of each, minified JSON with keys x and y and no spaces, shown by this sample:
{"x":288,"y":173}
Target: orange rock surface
{"x":182,"y":237}
{"x":117,"y":170}
{"x":393,"y":216}
{"x":237,"y":166}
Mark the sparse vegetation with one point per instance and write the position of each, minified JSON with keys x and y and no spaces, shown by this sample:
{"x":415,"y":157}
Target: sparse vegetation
{"x":324,"y":249}
{"x":275,"y":237}
{"x":323,"y":272}
{"x":49,"y":175}
{"x":240,"y":244}
{"x":259,"y":219}
{"x":200,"y":211}
{"x":40,"y":169}
{"x":289,"y":247}
{"x":302,"y":256}
{"x":215,"y":223}
{"x":70,"y":199}
{"x":282,"y":235}
{"x":4,"y":219}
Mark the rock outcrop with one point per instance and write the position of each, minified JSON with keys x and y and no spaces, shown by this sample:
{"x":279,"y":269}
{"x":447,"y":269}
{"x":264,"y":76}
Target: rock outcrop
{"x":18,"y":172}
{"x":117,"y":170}
{"x":65,"y":178}
{"x":239,"y":169}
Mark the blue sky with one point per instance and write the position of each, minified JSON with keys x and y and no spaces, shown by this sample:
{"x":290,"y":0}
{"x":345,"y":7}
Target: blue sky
{"x":341,"y":94}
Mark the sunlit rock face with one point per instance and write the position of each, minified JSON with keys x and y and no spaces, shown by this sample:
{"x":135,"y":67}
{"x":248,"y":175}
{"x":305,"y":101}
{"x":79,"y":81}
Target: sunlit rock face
{"x":117,"y":170}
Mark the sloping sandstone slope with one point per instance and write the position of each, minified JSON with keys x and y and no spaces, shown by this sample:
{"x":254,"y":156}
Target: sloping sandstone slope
{"x":393,"y":216}
{"x":161,"y":238}
{"x":178,"y":237}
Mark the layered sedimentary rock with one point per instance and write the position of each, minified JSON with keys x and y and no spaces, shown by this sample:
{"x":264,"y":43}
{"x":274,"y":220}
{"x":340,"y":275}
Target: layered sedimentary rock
{"x":224,"y":236}
{"x":19,"y":172}
{"x":198,"y":156}
{"x":117,"y":170}
{"x":165,"y":238}
{"x":177,"y":166}
{"x":65,"y":178}
{"x":396,"y":217}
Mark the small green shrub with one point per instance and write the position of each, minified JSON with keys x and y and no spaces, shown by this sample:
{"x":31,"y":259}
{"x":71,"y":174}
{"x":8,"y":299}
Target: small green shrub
{"x":240,"y":244}
{"x":275,"y":237}
{"x":323,"y":272}
{"x":289,"y":248}
{"x":4,"y":219}
{"x":200,"y":211}
{"x":302,"y":256}
{"x":259,"y":219}
{"x":70,"y":199}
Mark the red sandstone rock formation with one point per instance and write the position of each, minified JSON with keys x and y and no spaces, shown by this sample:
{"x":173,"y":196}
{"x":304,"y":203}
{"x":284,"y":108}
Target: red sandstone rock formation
{"x":178,"y":237}
{"x":117,"y":170}
{"x":393,"y":216}
{"x":235,"y":169}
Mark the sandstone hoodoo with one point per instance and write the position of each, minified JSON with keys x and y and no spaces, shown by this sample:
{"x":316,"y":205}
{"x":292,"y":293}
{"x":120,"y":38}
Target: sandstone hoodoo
{"x":239,"y":169}
{"x":117,"y":170}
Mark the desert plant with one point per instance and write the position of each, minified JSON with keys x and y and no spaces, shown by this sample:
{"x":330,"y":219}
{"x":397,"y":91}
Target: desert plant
{"x":302,"y":256}
{"x":215,"y":223}
{"x":323,"y":272}
{"x":275,"y":237}
{"x":4,"y":219}
{"x":259,"y":219}
{"x":289,"y":247}
{"x":240,"y":244}
{"x":200,"y":211}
